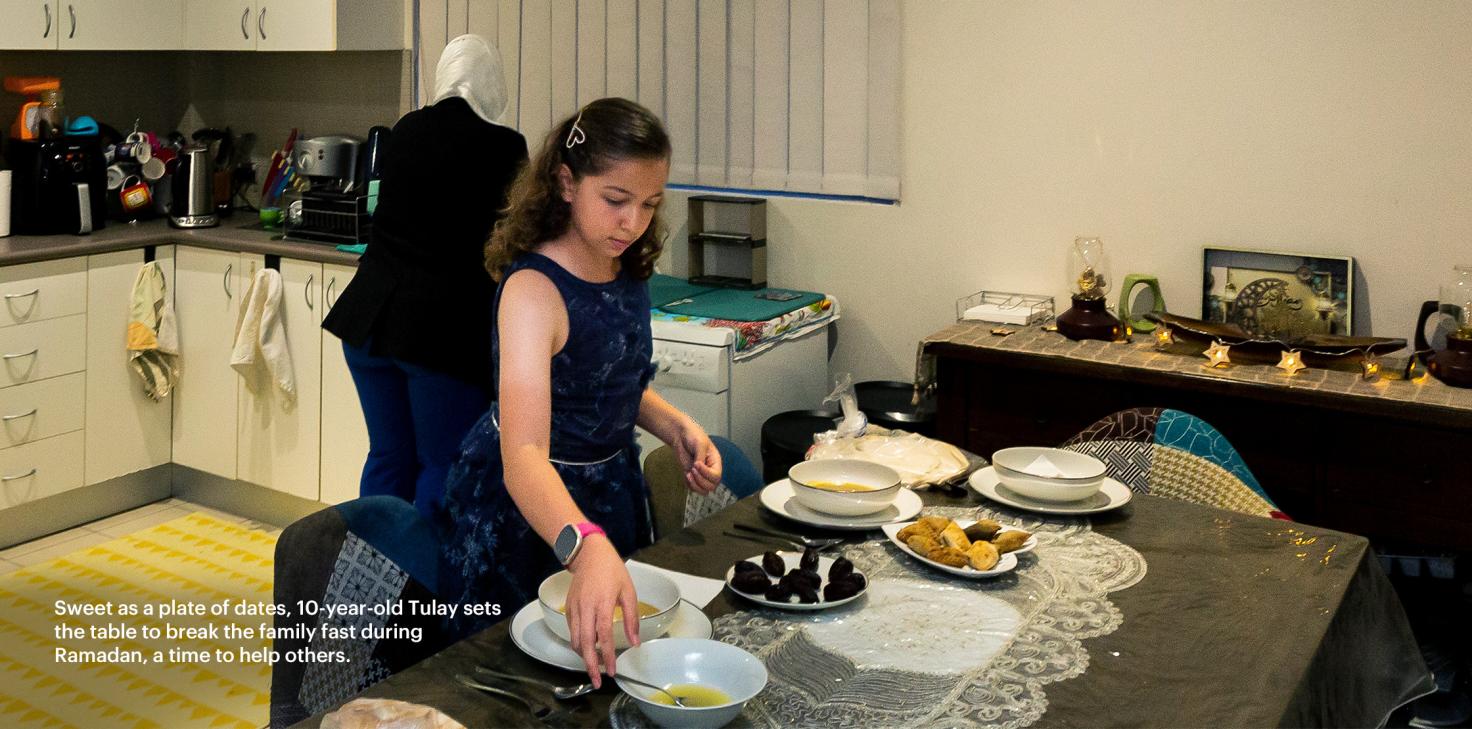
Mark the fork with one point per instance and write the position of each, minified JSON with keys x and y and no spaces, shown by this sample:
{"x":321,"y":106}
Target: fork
{"x":542,"y":712}
{"x":767,"y":540}
{"x":814,"y":542}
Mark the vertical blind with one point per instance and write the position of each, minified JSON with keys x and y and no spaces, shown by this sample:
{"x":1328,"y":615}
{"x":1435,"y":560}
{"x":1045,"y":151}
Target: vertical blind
{"x":791,"y":95}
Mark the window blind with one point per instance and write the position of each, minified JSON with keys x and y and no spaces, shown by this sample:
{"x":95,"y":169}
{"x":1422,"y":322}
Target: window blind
{"x":787,"y":95}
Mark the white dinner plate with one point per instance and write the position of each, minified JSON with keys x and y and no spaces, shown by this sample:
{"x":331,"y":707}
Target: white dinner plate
{"x":779,"y":498}
{"x":793,"y":559}
{"x":1006,"y":563}
{"x":530,"y":633}
{"x":1112,"y":495}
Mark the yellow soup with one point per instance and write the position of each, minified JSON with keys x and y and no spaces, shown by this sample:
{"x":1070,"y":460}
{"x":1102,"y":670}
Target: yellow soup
{"x":693,"y":695}
{"x":645,"y":610}
{"x":844,"y":487}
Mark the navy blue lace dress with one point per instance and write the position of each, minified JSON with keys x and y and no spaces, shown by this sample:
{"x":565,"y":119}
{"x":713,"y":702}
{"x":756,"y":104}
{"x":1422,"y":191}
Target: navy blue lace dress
{"x":490,"y":553}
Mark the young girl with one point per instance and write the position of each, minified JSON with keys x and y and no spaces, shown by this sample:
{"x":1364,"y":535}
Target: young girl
{"x":555,"y":457}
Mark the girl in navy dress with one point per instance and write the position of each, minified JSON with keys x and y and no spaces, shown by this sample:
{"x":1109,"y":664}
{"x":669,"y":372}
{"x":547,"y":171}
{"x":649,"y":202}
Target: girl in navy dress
{"x":550,"y":476}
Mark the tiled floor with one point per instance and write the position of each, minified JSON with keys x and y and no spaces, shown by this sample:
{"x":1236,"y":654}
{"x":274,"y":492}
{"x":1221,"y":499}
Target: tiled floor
{"x":112,"y":527}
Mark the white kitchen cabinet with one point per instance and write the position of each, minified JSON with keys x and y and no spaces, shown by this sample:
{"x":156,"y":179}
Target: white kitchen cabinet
{"x":32,"y":292}
{"x":208,"y":288}
{"x":126,"y":431}
{"x":344,"y":434}
{"x":110,"y":25}
{"x":40,"y":469}
{"x":29,"y":24}
{"x":220,"y":25}
{"x":329,"y":25}
{"x":280,"y":438}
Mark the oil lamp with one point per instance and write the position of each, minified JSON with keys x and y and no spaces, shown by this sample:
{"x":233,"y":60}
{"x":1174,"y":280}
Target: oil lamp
{"x":1087,"y":318}
{"x":1453,"y":365}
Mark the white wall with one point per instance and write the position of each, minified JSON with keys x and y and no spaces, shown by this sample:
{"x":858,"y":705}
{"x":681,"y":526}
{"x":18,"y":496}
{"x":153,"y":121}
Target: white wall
{"x":1335,"y":128}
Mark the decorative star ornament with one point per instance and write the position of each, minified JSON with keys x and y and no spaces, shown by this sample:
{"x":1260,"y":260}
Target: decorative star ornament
{"x":1291,"y":362}
{"x":1216,"y":355}
{"x":1164,"y":337}
{"x":1370,"y":368}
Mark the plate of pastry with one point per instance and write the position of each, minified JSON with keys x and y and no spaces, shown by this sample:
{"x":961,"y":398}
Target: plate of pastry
{"x":797,"y":580}
{"x":971,"y":549}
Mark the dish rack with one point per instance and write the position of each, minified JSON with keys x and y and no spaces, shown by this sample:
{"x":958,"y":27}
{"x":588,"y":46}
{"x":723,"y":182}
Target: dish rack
{"x":1005,"y":308}
{"x":327,"y":217}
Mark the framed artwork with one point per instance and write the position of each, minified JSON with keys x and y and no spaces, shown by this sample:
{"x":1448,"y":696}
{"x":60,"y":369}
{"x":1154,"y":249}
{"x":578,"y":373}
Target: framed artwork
{"x":1278,"y":295}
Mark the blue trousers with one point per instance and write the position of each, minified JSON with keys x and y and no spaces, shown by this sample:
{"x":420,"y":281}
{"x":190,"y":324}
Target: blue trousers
{"x":416,"y":419}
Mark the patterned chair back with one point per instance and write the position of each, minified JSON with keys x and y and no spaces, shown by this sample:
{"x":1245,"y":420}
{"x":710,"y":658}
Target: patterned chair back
{"x":1176,"y":455}
{"x":676,"y":507}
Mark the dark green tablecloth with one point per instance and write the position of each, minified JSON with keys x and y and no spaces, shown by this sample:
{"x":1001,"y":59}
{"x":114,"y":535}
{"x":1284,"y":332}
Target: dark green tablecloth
{"x":1239,"y":621}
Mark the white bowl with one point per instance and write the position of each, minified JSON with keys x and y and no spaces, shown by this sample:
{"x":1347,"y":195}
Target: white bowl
{"x":883,"y":481}
{"x":675,"y":661}
{"x":651,"y":587}
{"x":1078,"y":475}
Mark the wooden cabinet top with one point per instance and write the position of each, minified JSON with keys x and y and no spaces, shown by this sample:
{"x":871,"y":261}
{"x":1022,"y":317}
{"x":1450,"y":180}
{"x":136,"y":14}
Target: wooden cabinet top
{"x":1425,"y":400}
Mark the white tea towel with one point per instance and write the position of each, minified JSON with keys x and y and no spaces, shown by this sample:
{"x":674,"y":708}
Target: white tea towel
{"x":698,"y":590}
{"x":260,"y":335}
{"x":153,"y":334}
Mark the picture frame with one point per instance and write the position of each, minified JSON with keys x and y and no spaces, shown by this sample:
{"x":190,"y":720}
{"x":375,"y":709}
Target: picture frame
{"x":1278,"y":295}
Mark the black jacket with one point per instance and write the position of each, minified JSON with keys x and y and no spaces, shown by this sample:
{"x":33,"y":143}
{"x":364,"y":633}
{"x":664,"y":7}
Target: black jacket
{"x":421,"y":293}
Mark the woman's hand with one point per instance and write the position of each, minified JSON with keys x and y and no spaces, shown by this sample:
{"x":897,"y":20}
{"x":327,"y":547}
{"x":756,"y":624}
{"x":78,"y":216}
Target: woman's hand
{"x":699,"y":458}
{"x":600,"y":580}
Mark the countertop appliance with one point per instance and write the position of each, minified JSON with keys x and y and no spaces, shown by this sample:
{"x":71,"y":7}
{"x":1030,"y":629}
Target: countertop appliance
{"x":330,"y":162}
{"x":698,"y":373}
{"x":193,"y":203}
{"x":59,"y":185}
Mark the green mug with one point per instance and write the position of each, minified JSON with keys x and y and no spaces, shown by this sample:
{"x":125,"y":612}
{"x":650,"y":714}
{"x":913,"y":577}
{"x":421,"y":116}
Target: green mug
{"x":1138,"y":322}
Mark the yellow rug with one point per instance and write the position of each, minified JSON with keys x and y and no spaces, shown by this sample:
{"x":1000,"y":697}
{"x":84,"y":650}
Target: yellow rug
{"x":195,"y":562}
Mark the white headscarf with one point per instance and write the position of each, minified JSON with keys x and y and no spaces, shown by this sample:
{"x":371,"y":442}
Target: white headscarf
{"x":471,"y":69}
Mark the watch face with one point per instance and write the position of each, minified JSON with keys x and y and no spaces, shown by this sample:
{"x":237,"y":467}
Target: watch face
{"x":567,"y":541}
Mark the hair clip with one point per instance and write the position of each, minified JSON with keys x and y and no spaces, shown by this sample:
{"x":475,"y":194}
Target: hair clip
{"x":575,"y":135}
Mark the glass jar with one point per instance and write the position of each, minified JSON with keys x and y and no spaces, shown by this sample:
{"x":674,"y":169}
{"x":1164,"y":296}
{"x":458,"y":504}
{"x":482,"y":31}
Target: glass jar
{"x":1456,"y":300}
{"x":1087,"y":268}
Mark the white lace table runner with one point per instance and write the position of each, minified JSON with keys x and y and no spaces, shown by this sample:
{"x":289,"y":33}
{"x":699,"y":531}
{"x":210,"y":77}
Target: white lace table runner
{"x":925,"y":648}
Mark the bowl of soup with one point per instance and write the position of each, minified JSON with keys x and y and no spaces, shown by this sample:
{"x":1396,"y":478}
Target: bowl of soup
{"x":657,"y":594}
{"x":713,"y":679}
{"x":844,"y":486}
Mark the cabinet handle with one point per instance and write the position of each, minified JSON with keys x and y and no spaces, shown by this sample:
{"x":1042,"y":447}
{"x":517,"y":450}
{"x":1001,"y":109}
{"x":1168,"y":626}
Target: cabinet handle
{"x":9,"y":418}
{"x":72,"y":11}
{"x":24,"y":354}
{"x":331,"y":300}
{"x":307,"y":292}
{"x":261,"y":24}
{"x":47,"y":7}
{"x":31,"y":472}
{"x":244,"y":17}
{"x":32,"y":292}
{"x":226,"y":281}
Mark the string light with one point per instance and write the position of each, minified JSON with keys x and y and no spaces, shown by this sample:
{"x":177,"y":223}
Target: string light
{"x":1291,"y":362}
{"x":1370,"y":368}
{"x":1216,"y":355}
{"x":1164,"y":337}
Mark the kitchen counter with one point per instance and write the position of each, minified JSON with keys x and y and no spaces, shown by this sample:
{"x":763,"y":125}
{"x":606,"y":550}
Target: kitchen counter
{"x":229,"y":236}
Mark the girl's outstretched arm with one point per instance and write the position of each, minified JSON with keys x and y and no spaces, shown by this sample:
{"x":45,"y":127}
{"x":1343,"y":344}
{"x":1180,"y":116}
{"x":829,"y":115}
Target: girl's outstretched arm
{"x":699,"y":458}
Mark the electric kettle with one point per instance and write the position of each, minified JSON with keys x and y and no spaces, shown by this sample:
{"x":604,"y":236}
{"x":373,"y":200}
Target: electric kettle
{"x":193,"y":204}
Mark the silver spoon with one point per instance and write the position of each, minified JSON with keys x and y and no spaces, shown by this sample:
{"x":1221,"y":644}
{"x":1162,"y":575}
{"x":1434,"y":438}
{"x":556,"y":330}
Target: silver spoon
{"x":814,"y":542}
{"x":571,"y":692}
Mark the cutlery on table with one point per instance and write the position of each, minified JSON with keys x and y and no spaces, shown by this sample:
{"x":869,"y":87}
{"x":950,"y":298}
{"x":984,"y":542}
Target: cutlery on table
{"x":542,"y":712}
{"x":814,"y":542}
{"x":554,"y":688}
{"x":763,"y":540}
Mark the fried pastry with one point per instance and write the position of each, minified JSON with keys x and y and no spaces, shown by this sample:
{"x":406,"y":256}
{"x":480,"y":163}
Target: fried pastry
{"x":983,"y":530}
{"x":918,"y":528}
{"x":954,"y":536}
{"x":922,"y":545}
{"x":937,"y":524}
{"x":983,"y":556}
{"x":948,"y":556}
{"x":1010,"y":541}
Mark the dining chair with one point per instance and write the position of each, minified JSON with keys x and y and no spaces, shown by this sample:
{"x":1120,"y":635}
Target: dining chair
{"x":369,"y":551}
{"x":675,"y":507}
{"x":1177,"y":455}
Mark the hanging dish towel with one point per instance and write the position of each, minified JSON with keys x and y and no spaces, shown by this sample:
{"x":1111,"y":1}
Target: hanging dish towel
{"x":153,"y":335}
{"x":260,"y":336}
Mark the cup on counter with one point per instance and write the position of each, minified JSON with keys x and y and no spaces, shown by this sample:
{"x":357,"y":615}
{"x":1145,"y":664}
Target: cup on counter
{"x":116,"y":175}
{"x":153,"y":170}
{"x":271,"y":218}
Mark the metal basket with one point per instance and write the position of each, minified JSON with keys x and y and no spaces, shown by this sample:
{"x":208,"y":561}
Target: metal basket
{"x":327,"y":217}
{"x":1020,"y":309}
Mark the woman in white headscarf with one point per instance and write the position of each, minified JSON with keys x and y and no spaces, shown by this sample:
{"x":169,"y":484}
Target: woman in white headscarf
{"x":416,"y":320}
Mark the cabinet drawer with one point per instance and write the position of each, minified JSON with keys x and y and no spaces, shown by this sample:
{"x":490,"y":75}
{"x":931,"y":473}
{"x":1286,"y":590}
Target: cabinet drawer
{"x":39,"y":410}
{"x":43,"y":349}
{"x":45,"y":290}
{"x":40,"y":469}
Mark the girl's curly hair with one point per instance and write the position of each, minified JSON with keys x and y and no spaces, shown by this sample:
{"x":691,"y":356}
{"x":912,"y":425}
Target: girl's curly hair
{"x":612,"y":130}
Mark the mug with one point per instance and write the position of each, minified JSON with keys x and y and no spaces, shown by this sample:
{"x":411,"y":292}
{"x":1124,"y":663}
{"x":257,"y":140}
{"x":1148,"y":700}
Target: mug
{"x":138,"y":147}
{"x":135,"y":195}
{"x":154,"y":169}
{"x":115,"y":177}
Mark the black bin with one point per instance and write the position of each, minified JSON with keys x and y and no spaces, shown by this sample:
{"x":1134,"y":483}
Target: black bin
{"x":887,"y":404}
{"x":786,"y":438}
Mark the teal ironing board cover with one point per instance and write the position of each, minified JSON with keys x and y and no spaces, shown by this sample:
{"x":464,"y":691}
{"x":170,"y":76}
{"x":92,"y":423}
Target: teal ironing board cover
{"x":741,"y":305}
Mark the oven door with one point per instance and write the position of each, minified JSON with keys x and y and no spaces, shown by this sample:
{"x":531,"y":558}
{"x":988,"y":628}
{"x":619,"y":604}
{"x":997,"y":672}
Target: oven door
{"x":711,"y":409}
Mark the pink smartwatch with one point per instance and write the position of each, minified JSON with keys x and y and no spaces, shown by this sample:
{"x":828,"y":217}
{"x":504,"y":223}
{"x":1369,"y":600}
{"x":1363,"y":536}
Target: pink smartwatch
{"x":570,"y":540}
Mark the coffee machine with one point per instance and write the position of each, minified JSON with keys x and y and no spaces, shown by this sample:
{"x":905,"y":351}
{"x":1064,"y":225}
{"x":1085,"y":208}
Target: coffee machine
{"x":59,"y":185}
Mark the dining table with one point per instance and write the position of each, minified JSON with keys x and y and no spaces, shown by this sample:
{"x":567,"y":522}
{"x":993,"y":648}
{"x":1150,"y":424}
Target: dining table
{"x":1157,"y":613}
